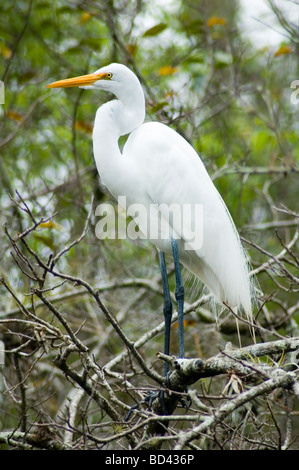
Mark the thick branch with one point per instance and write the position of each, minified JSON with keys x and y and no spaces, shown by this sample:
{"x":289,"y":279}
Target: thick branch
{"x":241,"y":361}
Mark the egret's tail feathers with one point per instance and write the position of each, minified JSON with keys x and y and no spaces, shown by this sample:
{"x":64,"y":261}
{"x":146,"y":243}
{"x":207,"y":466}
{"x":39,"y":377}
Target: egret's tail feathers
{"x":232,"y":285}
{"x":224,"y":268}
{"x":228,"y":259}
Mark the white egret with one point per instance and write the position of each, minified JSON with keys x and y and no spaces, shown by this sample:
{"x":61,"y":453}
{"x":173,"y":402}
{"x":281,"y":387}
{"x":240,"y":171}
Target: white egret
{"x":158,"y":168}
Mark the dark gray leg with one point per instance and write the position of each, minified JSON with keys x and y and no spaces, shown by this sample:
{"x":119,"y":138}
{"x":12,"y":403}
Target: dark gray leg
{"x":167,"y":309}
{"x":179,"y":295}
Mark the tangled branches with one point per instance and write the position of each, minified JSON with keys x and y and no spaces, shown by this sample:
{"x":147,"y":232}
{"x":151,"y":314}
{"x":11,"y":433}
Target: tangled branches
{"x":74,"y":380}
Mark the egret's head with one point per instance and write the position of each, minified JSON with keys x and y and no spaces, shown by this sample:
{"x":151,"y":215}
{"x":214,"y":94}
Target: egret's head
{"x":120,"y":81}
{"x":115,"y":78}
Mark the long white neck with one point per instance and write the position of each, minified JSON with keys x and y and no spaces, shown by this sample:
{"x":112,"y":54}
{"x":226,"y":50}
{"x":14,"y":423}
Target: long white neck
{"x":114,"y":119}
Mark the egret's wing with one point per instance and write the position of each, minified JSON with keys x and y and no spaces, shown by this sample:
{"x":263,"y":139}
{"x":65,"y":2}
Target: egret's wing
{"x":171,"y":173}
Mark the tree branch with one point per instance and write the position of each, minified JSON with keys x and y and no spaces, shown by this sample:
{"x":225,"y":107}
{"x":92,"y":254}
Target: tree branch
{"x":283,"y":380}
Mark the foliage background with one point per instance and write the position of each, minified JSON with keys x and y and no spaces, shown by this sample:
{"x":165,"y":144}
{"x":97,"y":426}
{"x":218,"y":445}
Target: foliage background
{"x":231,"y":100}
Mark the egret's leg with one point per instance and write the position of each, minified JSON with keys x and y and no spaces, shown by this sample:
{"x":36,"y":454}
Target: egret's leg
{"x":179,"y":295}
{"x":167,"y":309}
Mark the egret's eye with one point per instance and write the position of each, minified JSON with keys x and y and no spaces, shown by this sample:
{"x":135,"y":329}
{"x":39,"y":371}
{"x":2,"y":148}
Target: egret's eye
{"x":109,"y":75}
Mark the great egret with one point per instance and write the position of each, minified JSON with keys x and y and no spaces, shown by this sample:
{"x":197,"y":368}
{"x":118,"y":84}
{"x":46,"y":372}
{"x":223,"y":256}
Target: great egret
{"x":158,"y":168}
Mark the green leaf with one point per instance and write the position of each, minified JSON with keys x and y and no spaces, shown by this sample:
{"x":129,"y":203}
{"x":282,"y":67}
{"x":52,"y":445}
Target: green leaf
{"x":155,"y":30}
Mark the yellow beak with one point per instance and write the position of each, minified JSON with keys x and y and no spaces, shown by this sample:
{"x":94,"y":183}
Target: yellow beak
{"x":83,"y":80}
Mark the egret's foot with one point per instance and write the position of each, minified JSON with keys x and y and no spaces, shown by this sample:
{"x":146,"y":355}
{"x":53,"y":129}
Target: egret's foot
{"x":184,"y":404}
{"x":152,"y":396}
{"x":130,"y":412}
{"x":149,"y":399}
